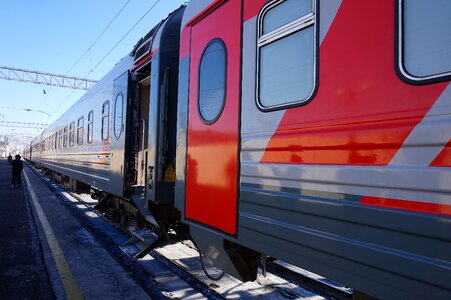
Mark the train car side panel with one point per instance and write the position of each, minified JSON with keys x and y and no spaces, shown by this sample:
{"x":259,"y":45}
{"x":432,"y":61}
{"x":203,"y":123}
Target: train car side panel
{"x":82,"y":151}
{"x":345,"y":185}
{"x":119,"y":105}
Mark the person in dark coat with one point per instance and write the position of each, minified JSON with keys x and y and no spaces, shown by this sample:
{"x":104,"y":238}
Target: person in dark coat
{"x":17,"y":167}
{"x":10,"y":159}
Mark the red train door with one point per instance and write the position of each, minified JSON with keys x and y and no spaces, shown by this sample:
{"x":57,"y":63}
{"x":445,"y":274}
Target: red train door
{"x":213,"y":118}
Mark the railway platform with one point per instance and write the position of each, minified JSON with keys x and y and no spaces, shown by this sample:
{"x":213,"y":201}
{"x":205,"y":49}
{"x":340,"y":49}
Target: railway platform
{"x":47,"y":254}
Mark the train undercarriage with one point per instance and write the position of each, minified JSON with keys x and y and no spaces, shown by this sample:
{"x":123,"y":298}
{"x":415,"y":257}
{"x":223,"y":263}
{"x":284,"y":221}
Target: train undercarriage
{"x":124,"y":213}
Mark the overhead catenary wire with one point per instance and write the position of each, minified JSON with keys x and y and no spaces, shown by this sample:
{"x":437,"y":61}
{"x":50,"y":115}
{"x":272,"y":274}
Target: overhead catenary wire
{"x":111,"y":50}
{"x":96,"y":40}
{"x":133,"y":27}
{"x":99,"y":36}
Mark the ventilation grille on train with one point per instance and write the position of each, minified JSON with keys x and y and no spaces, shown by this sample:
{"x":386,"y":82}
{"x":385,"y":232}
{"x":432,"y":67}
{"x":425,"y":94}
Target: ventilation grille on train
{"x":144,"y":45}
{"x":143,"y":50}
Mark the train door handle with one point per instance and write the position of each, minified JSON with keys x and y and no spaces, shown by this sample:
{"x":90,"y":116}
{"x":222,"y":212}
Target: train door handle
{"x":150,"y":177}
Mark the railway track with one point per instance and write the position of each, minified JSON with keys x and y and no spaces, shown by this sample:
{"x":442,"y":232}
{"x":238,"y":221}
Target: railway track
{"x":282,"y":281}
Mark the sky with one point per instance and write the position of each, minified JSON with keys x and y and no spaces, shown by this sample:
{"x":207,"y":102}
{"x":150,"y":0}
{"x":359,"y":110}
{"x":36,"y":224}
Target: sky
{"x":51,"y":36}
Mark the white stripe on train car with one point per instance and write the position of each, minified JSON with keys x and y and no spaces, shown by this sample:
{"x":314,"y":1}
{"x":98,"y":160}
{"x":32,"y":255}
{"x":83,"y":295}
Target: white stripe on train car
{"x":421,"y":147}
{"x":429,"y":185}
{"x":84,"y":173}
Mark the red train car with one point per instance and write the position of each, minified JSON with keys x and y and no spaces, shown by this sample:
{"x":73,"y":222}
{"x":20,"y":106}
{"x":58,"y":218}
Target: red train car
{"x":319,"y":132}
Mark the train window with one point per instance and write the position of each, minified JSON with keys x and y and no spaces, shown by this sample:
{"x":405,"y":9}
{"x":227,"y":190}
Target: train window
{"x":118,"y":115}
{"x":65,"y":137}
{"x":60,"y":139}
{"x":90,"y":126}
{"x":287,"y":57}
{"x":425,"y":42}
{"x":71,"y":134}
{"x":80,"y":128}
{"x":280,"y":15}
{"x":105,"y":119}
{"x":212,"y":81}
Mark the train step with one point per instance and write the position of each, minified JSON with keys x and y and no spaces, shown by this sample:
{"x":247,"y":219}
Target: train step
{"x":143,"y":240}
{"x":140,"y":200}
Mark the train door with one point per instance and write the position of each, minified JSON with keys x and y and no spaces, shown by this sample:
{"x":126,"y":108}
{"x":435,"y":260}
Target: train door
{"x":117,"y":138}
{"x":213,"y":118}
{"x":144,"y":88}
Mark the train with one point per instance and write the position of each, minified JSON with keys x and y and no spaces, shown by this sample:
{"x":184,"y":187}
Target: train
{"x":317,"y":132}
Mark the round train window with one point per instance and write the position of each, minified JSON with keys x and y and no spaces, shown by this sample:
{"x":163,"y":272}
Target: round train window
{"x":212,"y":81}
{"x":118,"y":115}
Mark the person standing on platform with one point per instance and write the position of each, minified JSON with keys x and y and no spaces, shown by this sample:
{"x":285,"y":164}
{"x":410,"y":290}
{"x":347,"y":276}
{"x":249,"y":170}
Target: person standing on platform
{"x":17,"y":167}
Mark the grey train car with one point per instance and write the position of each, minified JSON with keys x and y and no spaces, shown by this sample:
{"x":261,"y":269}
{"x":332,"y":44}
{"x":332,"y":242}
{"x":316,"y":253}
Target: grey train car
{"x":312,"y":131}
{"x":33,"y":151}
{"x":123,"y":123}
